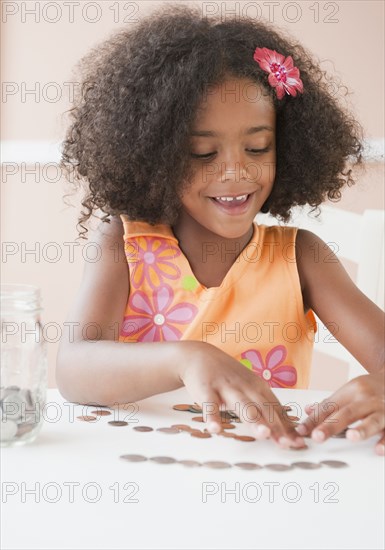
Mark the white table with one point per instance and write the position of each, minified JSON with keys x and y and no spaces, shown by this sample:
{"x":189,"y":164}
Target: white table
{"x":115,"y":504}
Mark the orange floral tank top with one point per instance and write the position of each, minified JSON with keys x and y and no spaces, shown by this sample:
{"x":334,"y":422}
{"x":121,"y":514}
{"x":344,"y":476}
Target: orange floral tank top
{"x":256,"y":315}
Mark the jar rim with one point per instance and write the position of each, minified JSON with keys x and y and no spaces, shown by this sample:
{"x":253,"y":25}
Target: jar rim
{"x":21,"y":289}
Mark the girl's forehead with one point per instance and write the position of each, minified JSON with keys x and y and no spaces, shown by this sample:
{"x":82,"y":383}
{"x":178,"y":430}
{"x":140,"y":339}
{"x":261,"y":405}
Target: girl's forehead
{"x":239,"y":102}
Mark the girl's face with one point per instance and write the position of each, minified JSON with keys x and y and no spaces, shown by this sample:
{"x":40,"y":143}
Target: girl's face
{"x":233,"y":152}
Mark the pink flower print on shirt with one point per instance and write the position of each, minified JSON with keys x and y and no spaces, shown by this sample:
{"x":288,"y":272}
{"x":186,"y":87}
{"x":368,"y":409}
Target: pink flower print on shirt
{"x":152,"y":261}
{"x":155,"y":318}
{"x":272,"y":370}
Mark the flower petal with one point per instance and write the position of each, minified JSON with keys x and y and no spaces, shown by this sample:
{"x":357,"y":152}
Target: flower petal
{"x":284,"y":376}
{"x":255,"y":359}
{"x":182,"y":313}
{"x":171,"y":333}
{"x":163,"y":296}
{"x":275,"y":356}
{"x":140,"y":303}
{"x":132,"y":324}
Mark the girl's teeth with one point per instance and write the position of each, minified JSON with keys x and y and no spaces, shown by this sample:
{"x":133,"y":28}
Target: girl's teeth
{"x":231,"y":199}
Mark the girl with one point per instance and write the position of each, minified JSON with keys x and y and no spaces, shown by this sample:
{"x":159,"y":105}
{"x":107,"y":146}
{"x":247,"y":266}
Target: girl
{"x":184,"y":130}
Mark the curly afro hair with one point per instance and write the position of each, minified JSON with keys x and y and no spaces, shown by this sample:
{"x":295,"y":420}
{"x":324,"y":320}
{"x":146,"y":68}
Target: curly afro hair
{"x":129,"y":137}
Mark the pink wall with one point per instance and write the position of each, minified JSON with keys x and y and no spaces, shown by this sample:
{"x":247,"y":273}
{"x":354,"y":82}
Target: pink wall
{"x":38,"y":53}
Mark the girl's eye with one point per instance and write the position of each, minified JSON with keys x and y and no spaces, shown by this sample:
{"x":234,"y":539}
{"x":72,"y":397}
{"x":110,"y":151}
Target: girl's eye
{"x":253,"y":151}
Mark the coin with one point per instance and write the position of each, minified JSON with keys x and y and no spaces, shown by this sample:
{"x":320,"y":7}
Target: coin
{"x":334,"y":463}
{"x":306,"y":465}
{"x":293,"y":418}
{"x":217,"y":464}
{"x":87,"y":418}
{"x":244,"y":437}
{"x":143,"y":429}
{"x":189,"y":463}
{"x":163,"y":459}
{"x":118,"y":423}
{"x":279,"y":467}
{"x":25,"y":427}
{"x":198,"y":419}
{"x":101,"y":412}
{"x":201,"y":435}
{"x":342,"y":434}
{"x":248,"y":465}
{"x":134,"y":458}
{"x":183,"y":407}
{"x":228,"y":434}
{"x":183,"y":427}
{"x":168,"y":430}
{"x":227,"y":426}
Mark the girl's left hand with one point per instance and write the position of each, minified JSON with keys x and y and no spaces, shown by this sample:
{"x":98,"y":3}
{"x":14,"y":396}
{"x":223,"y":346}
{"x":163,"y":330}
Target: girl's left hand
{"x":362,"y":398}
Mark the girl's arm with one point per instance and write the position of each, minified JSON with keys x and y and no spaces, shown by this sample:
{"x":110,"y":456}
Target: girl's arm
{"x":92,"y":366}
{"x":359,"y":325}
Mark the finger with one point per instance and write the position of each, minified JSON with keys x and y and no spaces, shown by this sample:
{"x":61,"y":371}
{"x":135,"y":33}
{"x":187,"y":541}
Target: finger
{"x":211,"y":411}
{"x":371,"y":425}
{"x":328,"y":409}
{"x":380,"y":447}
{"x":249,"y":412}
{"x":333,"y":424}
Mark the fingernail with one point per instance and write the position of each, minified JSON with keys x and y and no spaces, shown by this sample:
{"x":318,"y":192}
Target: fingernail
{"x":353,"y":435}
{"x":284,"y":441}
{"x":262,"y":431}
{"x":380,"y":449}
{"x":301,"y":429}
{"x":318,"y":436}
{"x":213,"y":427}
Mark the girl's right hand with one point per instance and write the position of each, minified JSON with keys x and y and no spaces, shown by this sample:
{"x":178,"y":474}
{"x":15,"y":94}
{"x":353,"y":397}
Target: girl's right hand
{"x":214,"y":378}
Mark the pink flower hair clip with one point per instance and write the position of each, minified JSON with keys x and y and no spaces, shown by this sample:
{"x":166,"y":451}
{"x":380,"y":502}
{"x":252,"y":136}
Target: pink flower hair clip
{"x":283,"y":76}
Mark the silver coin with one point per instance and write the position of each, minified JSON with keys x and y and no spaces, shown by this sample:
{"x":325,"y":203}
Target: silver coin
{"x":163,"y":459}
{"x":306,"y":465}
{"x":334,"y":463}
{"x":247,"y":465}
{"x":134,"y":458}
{"x":279,"y":467}
{"x":216,"y":464}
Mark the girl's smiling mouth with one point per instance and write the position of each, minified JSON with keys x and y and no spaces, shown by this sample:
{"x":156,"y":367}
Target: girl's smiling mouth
{"x":233,"y":204}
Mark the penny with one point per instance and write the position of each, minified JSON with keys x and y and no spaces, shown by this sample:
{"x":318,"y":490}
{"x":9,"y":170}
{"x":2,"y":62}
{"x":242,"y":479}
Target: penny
{"x":293,"y":418}
{"x":198,"y":419}
{"x":278,"y":467}
{"x":189,"y":463}
{"x":101,"y":412}
{"x":217,"y":464}
{"x":182,"y":407}
{"x":87,"y":418}
{"x":183,"y":427}
{"x":244,"y":437}
{"x":118,"y":423}
{"x":228,"y":434}
{"x":226,"y":416}
{"x":227,"y":426}
{"x":334,"y":463}
{"x":163,"y":459}
{"x":168,"y":430}
{"x":143,"y":429}
{"x":306,"y":465}
{"x":196,"y":407}
{"x":248,"y":465}
{"x":201,"y":435}
{"x":134,"y":458}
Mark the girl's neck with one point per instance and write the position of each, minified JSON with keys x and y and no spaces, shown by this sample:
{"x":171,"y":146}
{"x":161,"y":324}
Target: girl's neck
{"x":210,"y":255}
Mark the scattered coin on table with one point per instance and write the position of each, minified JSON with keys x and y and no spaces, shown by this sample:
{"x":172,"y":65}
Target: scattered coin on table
{"x":279,"y":467}
{"x":134,"y":458}
{"x":216,"y":464}
{"x":248,"y":466}
{"x":118,"y":423}
{"x":87,"y":418}
{"x":143,"y":429}
{"x":306,"y":465}
{"x":101,"y":412}
{"x":163,"y":459}
{"x":200,"y":435}
{"x":183,"y":427}
{"x":169,"y":430}
{"x":334,"y":463}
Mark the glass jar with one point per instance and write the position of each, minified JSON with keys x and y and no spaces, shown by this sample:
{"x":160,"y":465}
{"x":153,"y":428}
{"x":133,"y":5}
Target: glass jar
{"x":23,"y":364}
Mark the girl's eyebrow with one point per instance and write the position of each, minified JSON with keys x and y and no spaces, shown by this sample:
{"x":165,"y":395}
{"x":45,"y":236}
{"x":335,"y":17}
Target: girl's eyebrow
{"x":252,"y":130}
